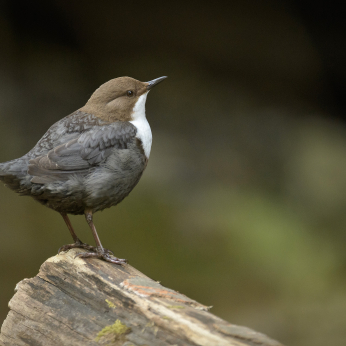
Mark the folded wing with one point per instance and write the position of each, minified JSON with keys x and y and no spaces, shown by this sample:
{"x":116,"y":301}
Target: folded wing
{"x":78,"y":155}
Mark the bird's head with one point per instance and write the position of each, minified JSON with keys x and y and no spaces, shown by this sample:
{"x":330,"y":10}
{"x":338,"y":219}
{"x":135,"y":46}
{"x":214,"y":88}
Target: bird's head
{"x":120,"y":99}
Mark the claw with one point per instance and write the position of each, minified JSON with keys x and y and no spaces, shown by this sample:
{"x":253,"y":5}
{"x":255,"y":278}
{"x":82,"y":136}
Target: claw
{"x":109,"y":252}
{"x":79,"y":244}
{"x":104,"y":255}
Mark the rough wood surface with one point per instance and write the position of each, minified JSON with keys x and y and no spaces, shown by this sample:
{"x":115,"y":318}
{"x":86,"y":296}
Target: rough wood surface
{"x":91,"y":302}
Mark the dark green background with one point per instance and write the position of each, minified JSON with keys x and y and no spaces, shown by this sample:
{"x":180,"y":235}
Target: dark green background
{"x":243,"y":203}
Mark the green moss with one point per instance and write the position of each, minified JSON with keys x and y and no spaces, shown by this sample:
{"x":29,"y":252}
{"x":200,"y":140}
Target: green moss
{"x":115,"y":330}
{"x":110,"y":304}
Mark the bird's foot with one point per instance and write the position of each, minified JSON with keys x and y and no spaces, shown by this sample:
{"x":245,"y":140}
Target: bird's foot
{"x":79,"y":244}
{"x":102,"y":254}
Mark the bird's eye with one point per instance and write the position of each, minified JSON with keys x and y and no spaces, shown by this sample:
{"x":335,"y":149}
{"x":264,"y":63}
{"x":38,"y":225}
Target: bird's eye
{"x":130,"y":93}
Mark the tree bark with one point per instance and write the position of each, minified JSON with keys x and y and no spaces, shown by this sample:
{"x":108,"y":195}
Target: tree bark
{"x":92,"y":302}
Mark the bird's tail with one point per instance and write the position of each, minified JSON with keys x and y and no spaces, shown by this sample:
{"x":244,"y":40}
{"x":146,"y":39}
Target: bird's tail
{"x":12,"y":172}
{"x":2,"y":169}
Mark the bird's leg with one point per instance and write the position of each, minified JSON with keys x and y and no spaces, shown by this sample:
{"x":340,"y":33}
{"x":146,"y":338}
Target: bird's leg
{"x":100,"y":251}
{"x":77,"y":242}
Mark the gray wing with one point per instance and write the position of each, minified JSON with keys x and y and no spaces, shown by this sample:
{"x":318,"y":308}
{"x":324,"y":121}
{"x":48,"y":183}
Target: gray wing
{"x":78,"y":155}
{"x":65,"y":130}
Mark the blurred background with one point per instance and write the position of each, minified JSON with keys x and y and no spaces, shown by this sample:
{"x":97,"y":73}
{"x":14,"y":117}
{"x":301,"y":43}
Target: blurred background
{"x":243,"y":203}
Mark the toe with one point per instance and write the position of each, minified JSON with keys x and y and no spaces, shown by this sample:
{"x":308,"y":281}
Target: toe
{"x":109,"y":252}
{"x":87,"y":255}
{"x":113,"y":259}
{"x":104,"y":255}
{"x":77,"y":244}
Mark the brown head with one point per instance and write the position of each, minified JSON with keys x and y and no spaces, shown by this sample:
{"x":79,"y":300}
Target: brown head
{"x":115,"y":99}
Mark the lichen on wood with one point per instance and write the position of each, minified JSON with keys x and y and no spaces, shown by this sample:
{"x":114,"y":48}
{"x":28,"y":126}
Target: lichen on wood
{"x":113,"y":333}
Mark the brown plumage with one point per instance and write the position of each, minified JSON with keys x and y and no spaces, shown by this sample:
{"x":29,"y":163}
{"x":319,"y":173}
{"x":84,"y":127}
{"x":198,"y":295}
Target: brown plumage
{"x":110,"y":101}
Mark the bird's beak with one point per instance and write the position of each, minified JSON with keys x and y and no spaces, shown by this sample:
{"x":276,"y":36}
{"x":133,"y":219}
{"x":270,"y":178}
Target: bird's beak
{"x":154,"y":82}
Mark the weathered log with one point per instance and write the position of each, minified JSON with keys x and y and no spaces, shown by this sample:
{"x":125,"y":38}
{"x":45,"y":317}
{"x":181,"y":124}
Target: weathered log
{"x":91,"y":302}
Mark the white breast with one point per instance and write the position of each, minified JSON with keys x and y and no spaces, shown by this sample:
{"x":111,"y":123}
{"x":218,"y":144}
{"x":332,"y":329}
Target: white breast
{"x":142,"y":125}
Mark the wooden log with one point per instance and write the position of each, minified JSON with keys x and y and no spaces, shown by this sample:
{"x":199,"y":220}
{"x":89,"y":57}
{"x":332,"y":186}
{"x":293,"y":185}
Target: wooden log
{"x":91,"y":302}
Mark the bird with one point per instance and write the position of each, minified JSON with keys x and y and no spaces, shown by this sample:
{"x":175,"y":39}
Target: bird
{"x":89,"y":160}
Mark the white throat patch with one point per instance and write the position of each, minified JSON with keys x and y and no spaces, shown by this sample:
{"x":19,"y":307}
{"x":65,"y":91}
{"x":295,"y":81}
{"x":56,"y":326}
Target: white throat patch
{"x":142,"y":125}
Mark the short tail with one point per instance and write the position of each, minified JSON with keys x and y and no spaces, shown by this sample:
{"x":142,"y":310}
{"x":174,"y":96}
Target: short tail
{"x":12,"y":172}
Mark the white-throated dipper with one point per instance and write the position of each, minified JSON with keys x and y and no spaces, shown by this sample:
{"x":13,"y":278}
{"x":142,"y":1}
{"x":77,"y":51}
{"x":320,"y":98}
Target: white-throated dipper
{"x":89,"y":160}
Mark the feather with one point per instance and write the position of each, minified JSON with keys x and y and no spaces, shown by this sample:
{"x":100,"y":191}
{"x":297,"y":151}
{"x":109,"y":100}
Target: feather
{"x":78,"y":155}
